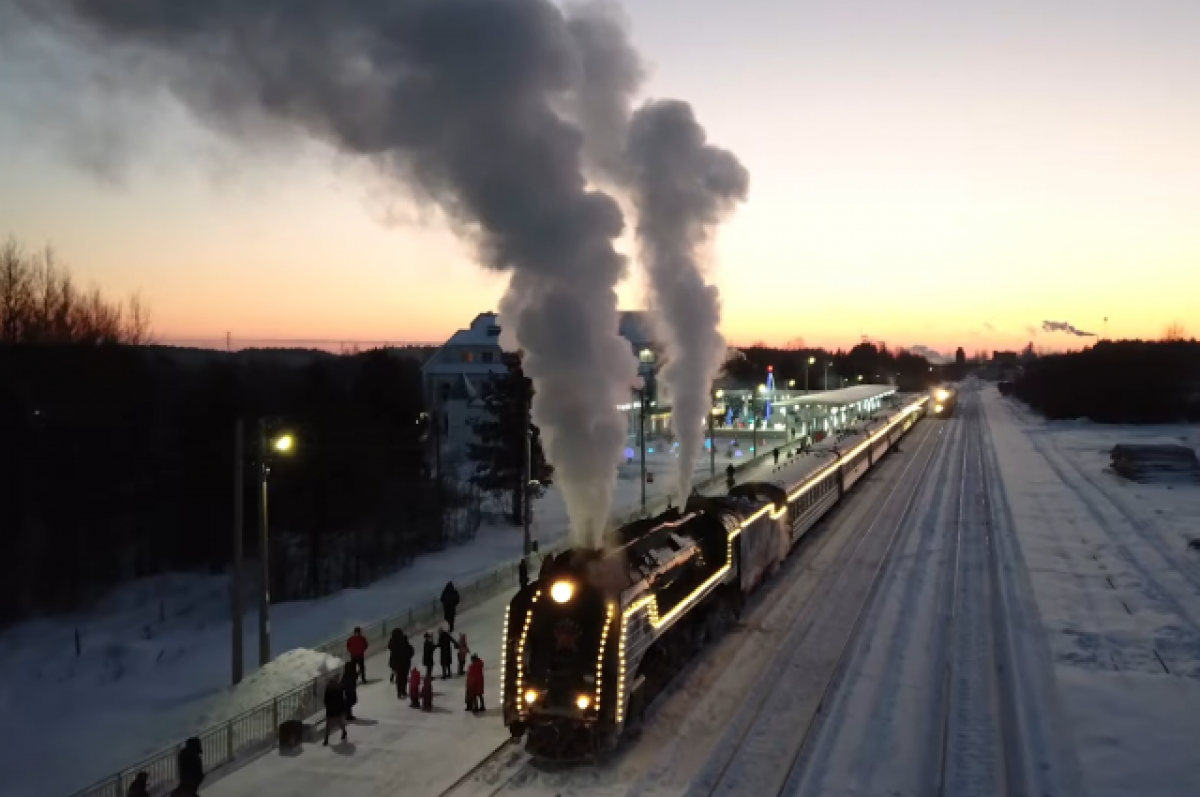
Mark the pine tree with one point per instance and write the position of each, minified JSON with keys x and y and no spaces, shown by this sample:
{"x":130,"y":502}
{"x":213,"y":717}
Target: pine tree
{"x":499,"y":450}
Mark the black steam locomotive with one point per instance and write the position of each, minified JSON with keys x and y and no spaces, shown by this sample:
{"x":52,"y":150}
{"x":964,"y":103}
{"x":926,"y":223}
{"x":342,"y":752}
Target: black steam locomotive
{"x":590,"y":644}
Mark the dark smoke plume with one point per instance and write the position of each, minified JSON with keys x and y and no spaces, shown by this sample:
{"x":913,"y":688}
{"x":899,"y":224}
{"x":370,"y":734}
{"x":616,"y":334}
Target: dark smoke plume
{"x":682,"y":188}
{"x":1063,"y":326}
{"x":454,"y":99}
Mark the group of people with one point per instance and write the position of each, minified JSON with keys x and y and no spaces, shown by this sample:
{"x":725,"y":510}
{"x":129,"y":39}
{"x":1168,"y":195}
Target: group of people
{"x":341,"y":694}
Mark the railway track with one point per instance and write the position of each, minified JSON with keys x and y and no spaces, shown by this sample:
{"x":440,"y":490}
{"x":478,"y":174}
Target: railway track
{"x":825,"y":585}
{"x":813,"y":654}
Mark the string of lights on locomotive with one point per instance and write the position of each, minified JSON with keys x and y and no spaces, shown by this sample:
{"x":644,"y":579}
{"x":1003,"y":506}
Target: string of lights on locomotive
{"x":588,"y":646}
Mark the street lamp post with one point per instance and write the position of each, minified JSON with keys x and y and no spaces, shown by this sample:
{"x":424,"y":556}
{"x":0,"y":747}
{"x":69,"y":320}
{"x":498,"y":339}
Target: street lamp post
{"x":811,"y":360}
{"x":282,"y":444}
{"x":827,"y":375}
{"x":527,"y":502}
{"x":642,"y":440}
{"x":235,"y":589}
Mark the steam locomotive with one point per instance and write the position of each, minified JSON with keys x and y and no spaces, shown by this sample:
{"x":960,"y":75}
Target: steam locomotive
{"x":944,"y":401}
{"x":589,"y":645}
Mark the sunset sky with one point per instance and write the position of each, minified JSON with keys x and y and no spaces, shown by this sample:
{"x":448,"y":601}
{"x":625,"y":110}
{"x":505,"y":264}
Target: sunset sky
{"x":936,"y":173}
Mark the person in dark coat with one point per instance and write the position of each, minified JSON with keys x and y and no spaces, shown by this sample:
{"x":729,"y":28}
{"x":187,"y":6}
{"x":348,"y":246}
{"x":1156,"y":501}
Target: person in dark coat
{"x":140,"y":786}
{"x":191,"y":767}
{"x":414,"y":687}
{"x":450,"y":603}
{"x":335,"y":708}
{"x":446,"y":647}
{"x":776,"y":454}
{"x":400,"y":656}
{"x":350,"y":688}
{"x":427,"y":654}
{"x":523,"y":573}
{"x":475,"y":684}
{"x":729,"y":480}
{"x":357,"y":646}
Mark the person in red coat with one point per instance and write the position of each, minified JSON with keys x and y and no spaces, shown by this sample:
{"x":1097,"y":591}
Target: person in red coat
{"x":475,"y":684}
{"x":357,"y":646}
{"x":414,"y":687}
{"x":427,"y":695}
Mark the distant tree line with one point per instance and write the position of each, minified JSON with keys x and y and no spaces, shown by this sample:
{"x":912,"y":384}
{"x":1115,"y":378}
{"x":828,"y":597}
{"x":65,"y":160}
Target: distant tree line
{"x":875,"y":364}
{"x":1128,"y":381}
{"x":117,"y":461}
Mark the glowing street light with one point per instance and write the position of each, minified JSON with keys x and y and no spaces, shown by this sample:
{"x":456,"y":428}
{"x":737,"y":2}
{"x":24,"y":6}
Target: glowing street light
{"x":284,"y":443}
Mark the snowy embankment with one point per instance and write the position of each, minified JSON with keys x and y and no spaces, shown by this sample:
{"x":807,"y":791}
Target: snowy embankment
{"x":1118,"y":593}
{"x":154,"y":664}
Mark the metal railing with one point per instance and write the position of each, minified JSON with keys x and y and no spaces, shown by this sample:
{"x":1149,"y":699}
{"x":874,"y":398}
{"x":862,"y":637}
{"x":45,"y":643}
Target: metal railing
{"x":255,"y":730}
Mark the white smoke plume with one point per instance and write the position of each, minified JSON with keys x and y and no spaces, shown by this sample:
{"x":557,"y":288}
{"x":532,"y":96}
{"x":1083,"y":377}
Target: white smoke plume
{"x":682,"y":188}
{"x":454,"y":100}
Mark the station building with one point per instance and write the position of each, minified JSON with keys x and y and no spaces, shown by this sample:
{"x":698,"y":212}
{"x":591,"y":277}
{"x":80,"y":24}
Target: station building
{"x":456,"y":375}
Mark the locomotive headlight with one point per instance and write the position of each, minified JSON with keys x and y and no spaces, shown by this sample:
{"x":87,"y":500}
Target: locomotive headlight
{"x":938,"y":408}
{"x":562,"y":591}
{"x":531,"y":696}
{"x":942,"y":395}
{"x":583,"y":701}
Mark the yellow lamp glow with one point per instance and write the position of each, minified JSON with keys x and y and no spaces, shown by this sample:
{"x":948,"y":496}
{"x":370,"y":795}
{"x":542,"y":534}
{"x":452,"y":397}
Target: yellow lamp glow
{"x":562,"y":591}
{"x":583,"y":702}
{"x":284,"y":443}
{"x":531,"y":696}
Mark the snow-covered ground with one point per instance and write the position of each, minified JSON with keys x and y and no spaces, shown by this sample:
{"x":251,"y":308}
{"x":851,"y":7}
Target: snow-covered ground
{"x":1037,"y":632}
{"x":1118,"y":594}
{"x":155,"y":662}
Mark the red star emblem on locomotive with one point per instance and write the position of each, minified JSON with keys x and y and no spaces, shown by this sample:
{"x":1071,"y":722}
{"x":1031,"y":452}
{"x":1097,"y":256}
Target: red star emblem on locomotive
{"x":565,"y":635}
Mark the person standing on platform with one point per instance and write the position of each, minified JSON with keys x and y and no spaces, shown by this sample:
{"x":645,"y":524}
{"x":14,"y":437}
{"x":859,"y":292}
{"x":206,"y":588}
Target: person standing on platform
{"x":357,"y":646}
{"x":450,"y":601}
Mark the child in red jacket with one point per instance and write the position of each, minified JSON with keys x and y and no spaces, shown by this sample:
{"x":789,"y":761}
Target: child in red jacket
{"x":475,"y":684}
{"x":414,"y":687}
{"x":427,"y":695}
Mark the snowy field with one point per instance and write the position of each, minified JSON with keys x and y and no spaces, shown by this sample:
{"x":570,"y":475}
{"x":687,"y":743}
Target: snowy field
{"x":1118,"y":592}
{"x":155,"y":654}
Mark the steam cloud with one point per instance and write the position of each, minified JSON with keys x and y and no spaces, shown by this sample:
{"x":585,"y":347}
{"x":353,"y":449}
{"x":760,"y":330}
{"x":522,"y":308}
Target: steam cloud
{"x":1063,"y":326}
{"x":682,"y":188}
{"x":454,"y":99}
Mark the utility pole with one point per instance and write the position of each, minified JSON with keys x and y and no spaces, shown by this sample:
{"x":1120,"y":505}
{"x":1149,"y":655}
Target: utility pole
{"x":754,"y":425}
{"x":235,"y":588}
{"x":264,"y":593}
{"x":712,"y":441}
{"x":642,"y":442}
{"x":527,"y":503}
